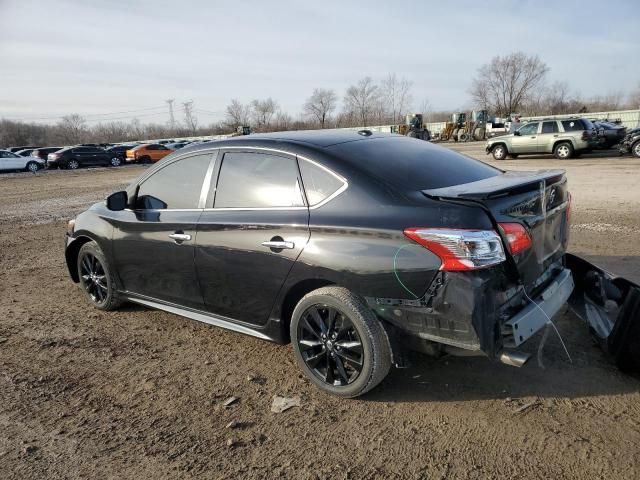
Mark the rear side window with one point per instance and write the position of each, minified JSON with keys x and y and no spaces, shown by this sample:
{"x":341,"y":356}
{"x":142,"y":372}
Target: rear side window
{"x":176,"y":186}
{"x":319,"y":184}
{"x":257,"y":180}
{"x":573,"y":125}
{"x":412,"y":164}
{"x":549,"y":127}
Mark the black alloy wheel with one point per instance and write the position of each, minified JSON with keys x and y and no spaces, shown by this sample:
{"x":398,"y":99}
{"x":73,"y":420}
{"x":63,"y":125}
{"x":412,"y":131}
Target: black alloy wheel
{"x":330,"y":345}
{"x":93,"y":278}
{"x":338,"y":342}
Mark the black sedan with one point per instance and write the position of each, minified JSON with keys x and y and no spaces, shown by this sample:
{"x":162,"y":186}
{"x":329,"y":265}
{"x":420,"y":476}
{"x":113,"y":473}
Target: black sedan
{"x":609,"y":134}
{"x":81,"y":156}
{"x":118,"y":153}
{"x":354,"y":246}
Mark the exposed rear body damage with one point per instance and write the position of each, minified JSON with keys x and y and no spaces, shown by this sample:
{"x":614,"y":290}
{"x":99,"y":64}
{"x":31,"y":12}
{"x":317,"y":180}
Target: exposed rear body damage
{"x":496,"y":310}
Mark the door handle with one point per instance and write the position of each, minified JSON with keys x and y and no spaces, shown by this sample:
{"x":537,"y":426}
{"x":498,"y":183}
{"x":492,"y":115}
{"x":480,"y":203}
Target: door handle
{"x":278,"y":245}
{"x":180,"y":237}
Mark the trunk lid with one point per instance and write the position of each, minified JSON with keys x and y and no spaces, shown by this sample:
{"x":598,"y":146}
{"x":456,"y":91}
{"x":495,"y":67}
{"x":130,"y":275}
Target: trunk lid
{"x":537,"y":200}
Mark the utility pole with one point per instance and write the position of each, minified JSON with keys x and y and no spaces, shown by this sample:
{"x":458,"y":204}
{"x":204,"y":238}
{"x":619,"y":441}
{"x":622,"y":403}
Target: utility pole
{"x":189,"y":118}
{"x":172,"y":120}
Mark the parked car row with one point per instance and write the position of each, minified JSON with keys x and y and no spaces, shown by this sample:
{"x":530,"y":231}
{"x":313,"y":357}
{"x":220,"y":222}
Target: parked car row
{"x":33,"y":158}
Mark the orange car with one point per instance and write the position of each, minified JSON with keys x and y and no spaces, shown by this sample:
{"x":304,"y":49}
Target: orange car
{"x":147,"y":153}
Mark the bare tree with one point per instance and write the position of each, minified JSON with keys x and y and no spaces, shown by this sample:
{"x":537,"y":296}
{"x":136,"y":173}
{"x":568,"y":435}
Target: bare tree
{"x":72,"y":128}
{"x":283,"y":121}
{"x":361,"y":98}
{"x":263,"y":112}
{"x":321,"y":104}
{"x":557,"y":98}
{"x":238,"y":113}
{"x":506,"y":83}
{"x":190,"y":119}
{"x":397,"y":95}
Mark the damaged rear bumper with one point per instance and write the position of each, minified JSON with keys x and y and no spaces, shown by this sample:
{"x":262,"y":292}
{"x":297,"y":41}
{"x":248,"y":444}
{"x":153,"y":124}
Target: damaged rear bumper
{"x":476,"y":312}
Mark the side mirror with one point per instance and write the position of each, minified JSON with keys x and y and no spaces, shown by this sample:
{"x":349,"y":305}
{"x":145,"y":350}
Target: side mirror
{"x":517,"y":133}
{"x":117,"y":201}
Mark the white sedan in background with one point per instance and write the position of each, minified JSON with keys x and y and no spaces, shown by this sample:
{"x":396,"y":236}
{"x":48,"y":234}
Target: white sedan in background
{"x":10,"y":161}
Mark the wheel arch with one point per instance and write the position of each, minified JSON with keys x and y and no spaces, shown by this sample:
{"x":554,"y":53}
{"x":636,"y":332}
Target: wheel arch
{"x":291,"y":298}
{"x":71,"y":255}
{"x":499,"y":143}
{"x":563,"y":140}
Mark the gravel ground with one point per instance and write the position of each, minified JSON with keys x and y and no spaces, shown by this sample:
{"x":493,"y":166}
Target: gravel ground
{"x":141,"y":393}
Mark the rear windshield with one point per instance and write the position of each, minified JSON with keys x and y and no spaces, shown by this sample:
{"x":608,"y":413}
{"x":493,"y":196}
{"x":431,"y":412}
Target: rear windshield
{"x":413,"y":164}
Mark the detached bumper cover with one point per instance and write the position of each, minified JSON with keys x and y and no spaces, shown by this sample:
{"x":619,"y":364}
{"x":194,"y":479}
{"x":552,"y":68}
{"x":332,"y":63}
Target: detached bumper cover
{"x":610,"y":306}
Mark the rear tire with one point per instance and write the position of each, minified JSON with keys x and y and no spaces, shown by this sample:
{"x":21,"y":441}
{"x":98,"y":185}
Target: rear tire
{"x":499,"y":152}
{"x":115,"y":162}
{"x":563,"y":151}
{"x":96,"y":277}
{"x":339,"y":343}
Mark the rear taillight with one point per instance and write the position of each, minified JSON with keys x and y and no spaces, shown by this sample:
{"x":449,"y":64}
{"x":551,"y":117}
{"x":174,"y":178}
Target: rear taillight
{"x":460,"y":250}
{"x":518,"y":240}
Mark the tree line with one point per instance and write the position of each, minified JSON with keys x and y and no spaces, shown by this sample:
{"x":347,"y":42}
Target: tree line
{"x":514,"y":83}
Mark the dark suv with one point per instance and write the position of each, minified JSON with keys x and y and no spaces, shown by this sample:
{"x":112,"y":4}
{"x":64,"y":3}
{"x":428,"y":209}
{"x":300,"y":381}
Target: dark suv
{"x":352,"y":245}
{"x":75,"y":157}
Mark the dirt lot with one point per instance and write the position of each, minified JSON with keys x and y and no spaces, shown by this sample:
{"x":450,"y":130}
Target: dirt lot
{"x":140,"y":393}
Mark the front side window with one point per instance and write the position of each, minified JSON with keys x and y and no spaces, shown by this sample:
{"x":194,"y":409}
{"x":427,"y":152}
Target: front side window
{"x":176,"y":186}
{"x":257,"y":180}
{"x":529,"y":129}
{"x":319,"y":184}
{"x":549,"y":127}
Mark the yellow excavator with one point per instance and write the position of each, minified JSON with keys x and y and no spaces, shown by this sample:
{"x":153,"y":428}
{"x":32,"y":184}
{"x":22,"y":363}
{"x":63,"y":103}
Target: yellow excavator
{"x":414,"y":127}
{"x":463,"y":129}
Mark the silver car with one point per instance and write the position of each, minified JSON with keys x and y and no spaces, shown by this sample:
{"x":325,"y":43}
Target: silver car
{"x":564,"y":138}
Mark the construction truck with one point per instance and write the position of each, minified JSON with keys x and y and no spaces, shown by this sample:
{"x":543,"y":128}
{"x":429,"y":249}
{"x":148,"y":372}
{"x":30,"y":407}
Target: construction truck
{"x":463,"y":128}
{"x":414,"y":127}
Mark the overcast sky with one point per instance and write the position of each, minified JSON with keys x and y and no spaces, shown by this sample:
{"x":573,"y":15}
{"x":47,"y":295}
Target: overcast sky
{"x":103,"y":56}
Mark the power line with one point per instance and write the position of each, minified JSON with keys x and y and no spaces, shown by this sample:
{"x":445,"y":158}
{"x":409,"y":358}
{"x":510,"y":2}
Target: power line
{"x":13,"y":117}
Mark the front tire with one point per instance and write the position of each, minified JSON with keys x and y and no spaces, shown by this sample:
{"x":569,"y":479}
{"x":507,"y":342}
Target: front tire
{"x":73,"y":164}
{"x":499,"y":152}
{"x":32,"y":167}
{"x":96,"y":278}
{"x":563,"y":151}
{"x":339,"y":343}
{"x":635,"y":149}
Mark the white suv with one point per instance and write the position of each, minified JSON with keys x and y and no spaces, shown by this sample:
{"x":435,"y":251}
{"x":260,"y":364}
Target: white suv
{"x":10,"y":161}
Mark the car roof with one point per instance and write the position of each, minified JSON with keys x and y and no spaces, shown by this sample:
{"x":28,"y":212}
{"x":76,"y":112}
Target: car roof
{"x":311,"y":139}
